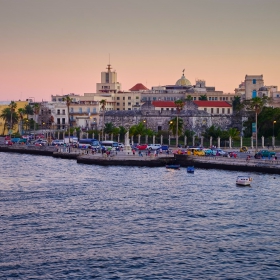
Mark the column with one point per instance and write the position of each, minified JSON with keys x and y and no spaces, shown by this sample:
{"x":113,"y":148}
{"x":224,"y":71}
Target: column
{"x":193,"y":140}
{"x":139,"y":138}
{"x":168,"y":140}
{"x":112,"y":136}
{"x":105,"y":137}
{"x":99,"y":137}
{"x":185,"y":141}
{"x":252,"y":142}
{"x":87,"y":135}
{"x":154,"y":138}
{"x":92,"y":135}
{"x":146,"y":139}
{"x":229,"y":142}
{"x":211,"y":140}
{"x":262,"y":142}
{"x":118,"y":138}
{"x":273,"y":142}
{"x":161,"y":139}
{"x":132,"y":140}
{"x":241,"y":141}
{"x":63,"y":136}
{"x":201,"y":141}
{"x":219,"y":142}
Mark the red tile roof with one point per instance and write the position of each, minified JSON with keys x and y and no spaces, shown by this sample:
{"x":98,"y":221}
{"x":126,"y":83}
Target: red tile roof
{"x":204,"y":103}
{"x":164,"y":104}
{"x":138,"y":87}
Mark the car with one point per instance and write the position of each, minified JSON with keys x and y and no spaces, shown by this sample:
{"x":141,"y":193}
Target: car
{"x":219,"y":152}
{"x":9,"y":142}
{"x":232,"y":154}
{"x":121,"y":145}
{"x":164,"y":147}
{"x":153,"y":147}
{"x":8,"y":137}
{"x":264,"y":153}
{"x":208,"y":152}
{"x":57,"y":142}
{"x":243,"y":149}
{"x":141,"y":147}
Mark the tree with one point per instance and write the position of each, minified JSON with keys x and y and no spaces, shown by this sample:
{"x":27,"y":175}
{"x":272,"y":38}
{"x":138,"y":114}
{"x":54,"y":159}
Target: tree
{"x":28,"y":110}
{"x":68,"y":101}
{"x":179,"y":107}
{"x":256,"y":104}
{"x":237,"y":106}
{"x":202,"y":97}
{"x":12,"y":107}
{"x":233,"y":133}
{"x":21,"y":113}
{"x":189,"y":134}
{"x":189,"y":98}
{"x":103,"y":103}
{"x":174,"y":128}
{"x":36,"y":110}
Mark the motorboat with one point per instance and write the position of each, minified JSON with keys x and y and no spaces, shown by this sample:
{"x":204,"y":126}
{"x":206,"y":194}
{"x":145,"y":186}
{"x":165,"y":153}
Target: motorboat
{"x":244,"y":180}
{"x":173,"y":166}
{"x":190,"y":169}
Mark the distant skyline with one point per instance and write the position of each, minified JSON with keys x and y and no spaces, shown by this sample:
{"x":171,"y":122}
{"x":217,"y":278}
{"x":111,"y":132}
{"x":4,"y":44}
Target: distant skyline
{"x":61,"y":47}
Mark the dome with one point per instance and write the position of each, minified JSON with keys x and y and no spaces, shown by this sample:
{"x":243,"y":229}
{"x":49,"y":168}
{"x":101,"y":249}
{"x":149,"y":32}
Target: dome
{"x":183,"y":81}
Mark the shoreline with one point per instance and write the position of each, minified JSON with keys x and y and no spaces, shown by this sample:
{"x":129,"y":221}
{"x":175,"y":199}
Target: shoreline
{"x":122,"y":159}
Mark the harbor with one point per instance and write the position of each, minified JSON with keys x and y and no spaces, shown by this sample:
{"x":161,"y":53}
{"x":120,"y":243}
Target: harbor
{"x":123,"y":158}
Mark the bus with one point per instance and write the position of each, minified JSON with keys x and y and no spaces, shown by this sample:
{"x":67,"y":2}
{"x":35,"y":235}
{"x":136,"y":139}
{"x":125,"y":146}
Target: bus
{"x":89,"y":142}
{"x":110,"y":145}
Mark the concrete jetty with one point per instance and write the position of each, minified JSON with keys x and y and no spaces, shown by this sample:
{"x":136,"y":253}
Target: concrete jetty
{"x":128,"y":159}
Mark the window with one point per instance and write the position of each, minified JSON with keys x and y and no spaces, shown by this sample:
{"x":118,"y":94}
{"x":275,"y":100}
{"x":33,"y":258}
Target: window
{"x":118,"y":109}
{"x":63,"y":112}
{"x":129,"y":103}
{"x":254,"y":81}
{"x":210,"y":98}
{"x":129,"y":98}
{"x":216,"y":98}
{"x":118,"y":104}
{"x":212,"y":110}
{"x":129,"y":109}
{"x":223,"y":110}
{"x":194,"y":98}
{"x":205,"y":109}
{"x":137,"y":97}
{"x":107,"y":77}
{"x":94,"y":110}
{"x":218,"y":111}
{"x":228,"y":110}
{"x":118,"y":98}
{"x":88,"y":110}
{"x":80,"y":110}
{"x":221,"y":98}
{"x":123,"y":104}
{"x":58,"y":112}
{"x":71,"y":110}
{"x":123,"y":98}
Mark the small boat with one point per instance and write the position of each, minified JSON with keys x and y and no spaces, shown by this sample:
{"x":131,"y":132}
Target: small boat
{"x":173,"y":166}
{"x":244,"y":180}
{"x":190,"y":169}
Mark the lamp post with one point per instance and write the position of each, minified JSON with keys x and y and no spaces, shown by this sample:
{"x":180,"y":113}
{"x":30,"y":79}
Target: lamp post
{"x":273,"y":139}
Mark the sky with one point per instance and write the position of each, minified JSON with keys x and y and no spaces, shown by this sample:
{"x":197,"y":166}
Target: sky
{"x":51,"y":47}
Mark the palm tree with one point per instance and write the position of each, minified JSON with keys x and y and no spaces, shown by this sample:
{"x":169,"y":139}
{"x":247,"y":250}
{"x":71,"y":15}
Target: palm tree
{"x":103,"y":103}
{"x":68,"y":101}
{"x":176,"y":127}
{"x":21,"y":113}
{"x":203,"y":97}
{"x":6,"y":116}
{"x":256,"y":104}
{"x":189,"y":98}
{"x":28,"y":110}
{"x":179,"y":107}
{"x":12,"y":107}
{"x":36,"y":110}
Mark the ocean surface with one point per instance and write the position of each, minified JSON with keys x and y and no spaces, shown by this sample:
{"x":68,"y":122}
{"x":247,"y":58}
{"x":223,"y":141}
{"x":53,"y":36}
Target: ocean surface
{"x":63,"y":220}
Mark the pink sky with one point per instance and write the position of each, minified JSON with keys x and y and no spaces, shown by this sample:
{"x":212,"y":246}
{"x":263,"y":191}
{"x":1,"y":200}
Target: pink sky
{"x":54,"y":47}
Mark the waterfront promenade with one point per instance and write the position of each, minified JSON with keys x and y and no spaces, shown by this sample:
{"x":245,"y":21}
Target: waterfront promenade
{"x":122,"y":158}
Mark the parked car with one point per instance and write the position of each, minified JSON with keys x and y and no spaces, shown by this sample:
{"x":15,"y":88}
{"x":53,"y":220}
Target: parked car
{"x":9,"y":142}
{"x":264,"y":153}
{"x":208,"y":152}
{"x":153,"y":147}
{"x":57,"y":142}
{"x":164,"y":147}
{"x":141,"y":147}
{"x":219,"y":152}
{"x":232,"y":154}
{"x":121,"y":145}
{"x":243,"y":149}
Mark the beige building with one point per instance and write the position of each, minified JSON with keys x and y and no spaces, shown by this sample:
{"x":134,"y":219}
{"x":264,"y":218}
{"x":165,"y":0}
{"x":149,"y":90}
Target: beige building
{"x":252,"y":84}
{"x":214,"y":107}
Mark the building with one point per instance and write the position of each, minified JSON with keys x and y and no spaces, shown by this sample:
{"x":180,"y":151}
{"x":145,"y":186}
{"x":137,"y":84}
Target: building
{"x":4,"y":126}
{"x":252,"y":84}
{"x":214,"y":107}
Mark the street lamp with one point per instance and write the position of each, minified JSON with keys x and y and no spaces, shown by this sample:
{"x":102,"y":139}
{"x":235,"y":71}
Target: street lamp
{"x":273,"y":139}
